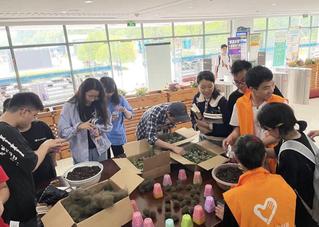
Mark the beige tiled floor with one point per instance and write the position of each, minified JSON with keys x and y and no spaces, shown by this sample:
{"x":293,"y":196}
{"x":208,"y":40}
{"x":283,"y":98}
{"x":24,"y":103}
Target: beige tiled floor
{"x":309,"y":113}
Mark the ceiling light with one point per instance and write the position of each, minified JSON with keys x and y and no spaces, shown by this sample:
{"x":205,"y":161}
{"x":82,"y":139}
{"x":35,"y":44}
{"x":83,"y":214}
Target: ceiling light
{"x":88,"y":1}
{"x":273,"y":4}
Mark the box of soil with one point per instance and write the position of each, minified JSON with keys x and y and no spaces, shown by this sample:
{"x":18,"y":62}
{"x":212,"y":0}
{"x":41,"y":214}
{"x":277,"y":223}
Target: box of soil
{"x":96,"y":205}
{"x":180,"y":136}
{"x":203,"y":154}
{"x":144,"y":159}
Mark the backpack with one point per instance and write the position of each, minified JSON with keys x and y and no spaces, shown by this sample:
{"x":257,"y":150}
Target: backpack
{"x":313,"y":156}
{"x":219,"y":58}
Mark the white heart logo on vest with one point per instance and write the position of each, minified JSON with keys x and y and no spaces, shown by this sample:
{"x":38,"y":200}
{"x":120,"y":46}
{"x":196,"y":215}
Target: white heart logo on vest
{"x":270,"y":203}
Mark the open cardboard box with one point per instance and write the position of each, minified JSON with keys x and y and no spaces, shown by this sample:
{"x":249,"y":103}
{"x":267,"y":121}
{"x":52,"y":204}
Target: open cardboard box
{"x":206,"y":165}
{"x":154,"y":166}
{"x":189,"y":134}
{"x":117,"y":215}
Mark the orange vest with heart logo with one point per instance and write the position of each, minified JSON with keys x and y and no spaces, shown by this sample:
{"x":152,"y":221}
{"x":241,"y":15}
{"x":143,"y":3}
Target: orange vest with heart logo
{"x":262,"y":199}
{"x":245,"y":112}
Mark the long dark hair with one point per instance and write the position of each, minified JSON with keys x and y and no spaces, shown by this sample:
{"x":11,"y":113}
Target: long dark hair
{"x":207,"y":75}
{"x":281,"y":116}
{"x":99,"y":105}
{"x":110,"y":87}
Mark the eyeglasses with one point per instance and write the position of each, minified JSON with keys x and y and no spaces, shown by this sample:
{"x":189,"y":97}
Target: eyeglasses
{"x":236,"y":82}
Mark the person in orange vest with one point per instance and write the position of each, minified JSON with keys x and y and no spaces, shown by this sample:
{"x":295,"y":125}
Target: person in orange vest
{"x":295,"y":166}
{"x":273,"y":202}
{"x":244,"y":117}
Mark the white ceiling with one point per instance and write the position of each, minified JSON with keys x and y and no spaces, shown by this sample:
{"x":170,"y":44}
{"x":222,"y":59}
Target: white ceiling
{"x":147,"y":10}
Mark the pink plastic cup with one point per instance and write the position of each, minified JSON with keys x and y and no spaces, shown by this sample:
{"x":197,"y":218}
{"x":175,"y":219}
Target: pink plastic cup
{"x":148,"y":222}
{"x":137,"y":219}
{"x":208,"y":191}
{"x":197,"y":178}
{"x":157,"y":191}
{"x":198,"y":215}
{"x":167,"y":181}
{"x":182,"y":175}
{"x":209,"y":204}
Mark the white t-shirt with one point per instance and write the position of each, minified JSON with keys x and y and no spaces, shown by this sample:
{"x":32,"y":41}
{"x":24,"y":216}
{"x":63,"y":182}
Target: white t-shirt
{"x":259,"y":132}
{"x":224,"y":66}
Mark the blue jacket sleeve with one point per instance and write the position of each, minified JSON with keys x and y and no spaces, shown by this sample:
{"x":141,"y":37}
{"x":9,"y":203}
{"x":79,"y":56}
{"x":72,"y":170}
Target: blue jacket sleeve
{"x":67,"y":129}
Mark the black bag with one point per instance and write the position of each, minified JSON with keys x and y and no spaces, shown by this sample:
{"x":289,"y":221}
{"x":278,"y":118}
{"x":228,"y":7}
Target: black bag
{"x":51,"y":195}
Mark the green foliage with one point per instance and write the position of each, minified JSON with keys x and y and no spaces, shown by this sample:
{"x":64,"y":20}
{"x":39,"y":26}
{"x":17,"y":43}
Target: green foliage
{"x":98,"y":53}
{"x":141,"y":91}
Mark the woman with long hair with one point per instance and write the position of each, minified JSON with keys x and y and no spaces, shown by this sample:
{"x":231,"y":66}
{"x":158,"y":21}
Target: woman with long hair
{"x":85,"y":122}
{"x":298,"y":170}
{"x":120,"y":109}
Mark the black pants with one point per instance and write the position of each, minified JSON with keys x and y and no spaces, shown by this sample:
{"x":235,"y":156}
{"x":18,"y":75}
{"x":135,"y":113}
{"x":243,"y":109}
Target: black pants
{"x":117,"y":150}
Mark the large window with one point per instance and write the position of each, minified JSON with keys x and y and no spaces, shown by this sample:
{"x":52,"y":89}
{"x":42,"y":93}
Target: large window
{"x":278,"y":22}
{"x":122,"y":31}
{"x":157,"y":30}
{"x":188,"y":28}
{"x":44,"y":58}
{"x":45,"y":71}
{"x":3,"y":37}
{"x":299,"y":21}
{"x":90,"y":60}
{"x":82,"y":33}
{"x":8,"y":83}
{"x":128,"y":64}
{"x":188,"y":59}
{"x":32,"y":35}
{"x":215,"y":27}
{"x":260,"y":24}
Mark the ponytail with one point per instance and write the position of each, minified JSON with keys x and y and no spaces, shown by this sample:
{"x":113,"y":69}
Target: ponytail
{"x":302,"y":126}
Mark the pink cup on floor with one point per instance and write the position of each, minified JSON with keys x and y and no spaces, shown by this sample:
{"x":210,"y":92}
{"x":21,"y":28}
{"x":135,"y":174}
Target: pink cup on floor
{"x":197,"y":178}
{"x":209,"y":204}
{"x":182,"y":175}
{"x":167,"y":181}
{"x":148,"y":222}
{"x":198,"y":215}
{"x":137,"y":219}
{"x":157,"y":191}
{"x":208,"y":191}
{"x":134,"y":205}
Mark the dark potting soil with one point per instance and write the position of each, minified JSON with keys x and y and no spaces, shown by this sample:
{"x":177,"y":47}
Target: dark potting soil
{"x":172,"y":137}
{"x":81,"y":173}
{"x":229,"y":174}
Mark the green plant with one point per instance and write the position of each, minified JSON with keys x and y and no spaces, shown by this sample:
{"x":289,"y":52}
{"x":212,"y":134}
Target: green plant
{"x":141,"y":91}
{"x":122,"y":92}
{"x":194,"y":84}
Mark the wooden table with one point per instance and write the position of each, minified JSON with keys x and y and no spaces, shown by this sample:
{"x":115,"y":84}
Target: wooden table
{"x":146,"y":200}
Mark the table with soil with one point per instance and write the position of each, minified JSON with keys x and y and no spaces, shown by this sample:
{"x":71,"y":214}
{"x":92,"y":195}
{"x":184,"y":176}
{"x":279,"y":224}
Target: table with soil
{"x":146,"y":200}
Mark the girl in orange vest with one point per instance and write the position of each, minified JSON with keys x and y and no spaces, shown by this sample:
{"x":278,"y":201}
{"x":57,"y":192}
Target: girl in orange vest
{"x":298,"y":171}
{"x":260,"y":198}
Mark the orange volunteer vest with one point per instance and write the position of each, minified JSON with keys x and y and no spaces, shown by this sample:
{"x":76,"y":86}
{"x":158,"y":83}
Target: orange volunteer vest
{"x":245,"y":112}
{"x":262,"y":199}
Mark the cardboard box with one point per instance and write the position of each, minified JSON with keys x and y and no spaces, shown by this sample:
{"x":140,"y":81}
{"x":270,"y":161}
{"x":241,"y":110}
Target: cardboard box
{"x":206,"y":165}
{"x":155,"y":166}
{"x":117,"y":215}
{"x":189,"y":134}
